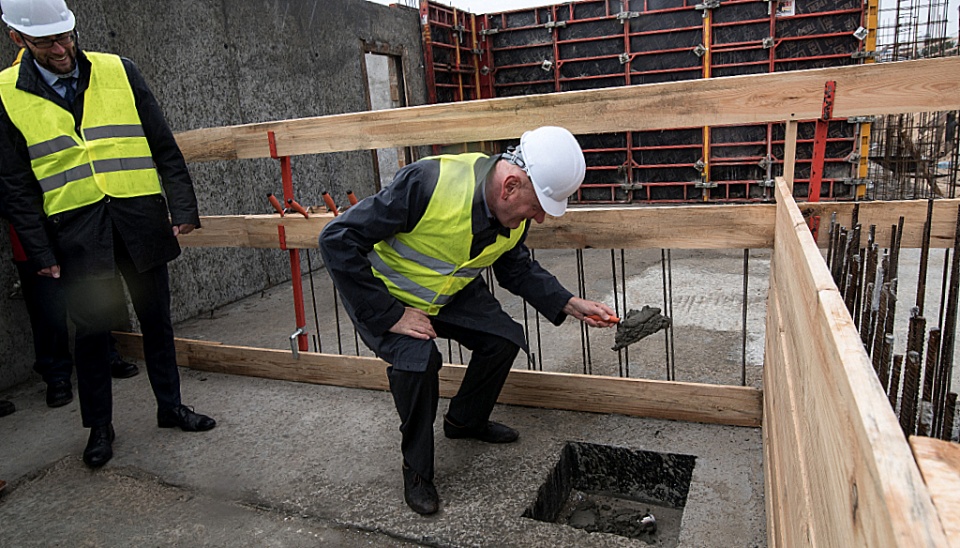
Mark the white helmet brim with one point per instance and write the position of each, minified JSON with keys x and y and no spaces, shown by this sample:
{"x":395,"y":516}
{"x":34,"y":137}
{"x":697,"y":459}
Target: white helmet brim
{"x":40,"y":31}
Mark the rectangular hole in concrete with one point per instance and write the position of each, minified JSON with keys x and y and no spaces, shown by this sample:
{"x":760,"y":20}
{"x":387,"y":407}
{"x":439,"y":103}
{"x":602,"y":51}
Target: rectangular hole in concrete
{"x":599,"y":488}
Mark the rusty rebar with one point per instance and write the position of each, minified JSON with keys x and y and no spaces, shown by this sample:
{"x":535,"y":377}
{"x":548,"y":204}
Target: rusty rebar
{"x":931,"y":364}
{"x":949,"y":417}
{"x":894,"y":389}
{"x":908,"y":401}
{"x":895,"y":250}
{"x":831,"y":240}
{"x":877,"y":329}
{"x":879,"y":332}
{"x":949,"y":331}
{"x":918,"y":325}
{"x":886,"y":350}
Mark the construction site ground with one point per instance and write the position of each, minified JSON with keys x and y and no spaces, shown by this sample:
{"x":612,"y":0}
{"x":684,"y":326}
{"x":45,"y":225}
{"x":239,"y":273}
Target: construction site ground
{"x":293,"y":464}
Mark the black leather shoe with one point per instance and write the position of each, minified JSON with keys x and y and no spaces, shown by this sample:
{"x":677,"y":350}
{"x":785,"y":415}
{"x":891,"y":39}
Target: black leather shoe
{"x":123,"y":370}
{"x":99,"y":448}
{"x":59,"y":393}
{"x":493,"y":432}
{"x":420,"y":495}
{"x":185,"y":418}
{"x":6,"y":408}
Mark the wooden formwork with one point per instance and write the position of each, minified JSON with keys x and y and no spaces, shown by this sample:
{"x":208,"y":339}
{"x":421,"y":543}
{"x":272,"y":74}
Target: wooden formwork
{"x":838,"y":470}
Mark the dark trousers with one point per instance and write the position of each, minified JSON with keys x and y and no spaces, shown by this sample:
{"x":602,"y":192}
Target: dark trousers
{"x":417,"y":394}
{"x":92,"y":302}
{"x":47,"y":309}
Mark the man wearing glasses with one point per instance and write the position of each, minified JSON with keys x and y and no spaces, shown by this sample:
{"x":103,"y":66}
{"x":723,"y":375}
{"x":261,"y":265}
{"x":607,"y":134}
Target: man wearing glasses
{"x":84,"y":149}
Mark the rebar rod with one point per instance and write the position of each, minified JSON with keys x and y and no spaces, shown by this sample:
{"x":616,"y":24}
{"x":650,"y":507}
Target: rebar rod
{"x":853,"y":288}
{"x":536,"y":321}
{"x":886,"y":350}
{"x":895,"y":251}
{"x":867,"y":322}
{"x":317,"y":342}
{"x":908,"y":401}
{"x":861,"y":282}
{"x":924,"y":257}
{"x":949,"y":324}
{"x":894,"y":390}
{"x":623,"y":291}
{"x":931,"y":364}
{"x":746,"y":277}
{"x":918,"y":325}
{"x":837,"y":271}
{"x":584,"y":336}
{"x":943,"y":286}
{"x":949,"y":417}
{"x":879,"y":332}
{"x":336,"y":318}
{"x":831,"y":236}
{"x":616,"y":304}
{"x":531,"y":363}
{"x":673,"y":358}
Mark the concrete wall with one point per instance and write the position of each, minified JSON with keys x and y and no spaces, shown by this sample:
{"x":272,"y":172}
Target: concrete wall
{"x":226,"y":62}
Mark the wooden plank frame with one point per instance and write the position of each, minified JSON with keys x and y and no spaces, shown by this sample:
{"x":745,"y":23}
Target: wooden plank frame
{"x":837,"y":469}
{"x":693,"y":402}
{"x":849,"y":478}
{"x":889,"y":88}
{"x":674,"y":227}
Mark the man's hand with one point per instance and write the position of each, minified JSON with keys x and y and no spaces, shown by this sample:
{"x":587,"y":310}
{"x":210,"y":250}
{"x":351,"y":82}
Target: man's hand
{"x":50,"y":271}
{"x":414,"y":323}
{"x":581,"y":308}
{"x":185,"y":228}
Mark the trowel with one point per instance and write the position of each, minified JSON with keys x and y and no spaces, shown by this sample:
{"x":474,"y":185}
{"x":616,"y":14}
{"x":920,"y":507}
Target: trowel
{"x":636,"y":325}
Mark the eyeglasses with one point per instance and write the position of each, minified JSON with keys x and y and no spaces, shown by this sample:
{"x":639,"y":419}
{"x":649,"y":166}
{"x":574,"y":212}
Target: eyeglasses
{"x":65,"y":39}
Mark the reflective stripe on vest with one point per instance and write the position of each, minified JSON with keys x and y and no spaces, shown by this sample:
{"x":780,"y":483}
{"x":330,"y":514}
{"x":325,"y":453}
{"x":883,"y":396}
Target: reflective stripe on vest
{"x":110,"y":157}
{"x":427,"y":266}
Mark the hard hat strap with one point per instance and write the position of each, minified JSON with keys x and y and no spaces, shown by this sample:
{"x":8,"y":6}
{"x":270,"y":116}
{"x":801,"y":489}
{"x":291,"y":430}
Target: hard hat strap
{"x":515,"y":156}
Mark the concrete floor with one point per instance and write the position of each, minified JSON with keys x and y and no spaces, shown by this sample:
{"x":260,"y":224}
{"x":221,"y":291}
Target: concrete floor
{"x":295,"y":464}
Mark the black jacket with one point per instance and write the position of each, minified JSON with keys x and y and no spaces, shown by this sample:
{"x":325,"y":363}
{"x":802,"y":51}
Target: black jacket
{"x":346,"y":241}
{"x":81,"y":240}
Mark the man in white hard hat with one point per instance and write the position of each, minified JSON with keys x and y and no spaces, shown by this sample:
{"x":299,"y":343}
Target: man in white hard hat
{"x":407,"y":263}
{"x":84,"y":149}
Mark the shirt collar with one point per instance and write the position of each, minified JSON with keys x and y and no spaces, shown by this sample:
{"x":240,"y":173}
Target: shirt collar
{"x":51,"y":78}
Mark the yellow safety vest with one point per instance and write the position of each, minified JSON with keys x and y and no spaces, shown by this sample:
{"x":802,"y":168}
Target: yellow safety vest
{"x":426,"y":267}
{"x":110,"y":157}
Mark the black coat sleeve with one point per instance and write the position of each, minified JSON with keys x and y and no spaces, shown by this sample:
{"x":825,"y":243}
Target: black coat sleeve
{"x":518,"y":273}
{"x":177,"y":184}
{"x":346,"y":241}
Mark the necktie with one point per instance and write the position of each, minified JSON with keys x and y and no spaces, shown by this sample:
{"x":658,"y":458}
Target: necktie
{"x":69,"y":87}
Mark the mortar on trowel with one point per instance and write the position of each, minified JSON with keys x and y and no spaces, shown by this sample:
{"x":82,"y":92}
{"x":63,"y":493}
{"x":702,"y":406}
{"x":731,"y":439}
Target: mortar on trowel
{"x":636,"y":325}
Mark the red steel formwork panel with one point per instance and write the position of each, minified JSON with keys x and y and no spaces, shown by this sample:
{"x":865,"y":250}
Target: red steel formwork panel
{"x":603,"y":43}
{"x":451,"y":54}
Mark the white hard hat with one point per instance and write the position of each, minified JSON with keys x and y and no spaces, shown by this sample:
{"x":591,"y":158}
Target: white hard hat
{"x":552,"y":158}
{"x":38,"y":17}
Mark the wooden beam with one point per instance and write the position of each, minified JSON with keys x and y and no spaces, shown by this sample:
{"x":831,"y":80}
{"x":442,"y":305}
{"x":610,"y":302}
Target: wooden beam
{"x":883,"y":88}
{"x":939,"y":462}
{"x":679,"y":227}
{"x":864,"y":486}
{"x":707,"y":403}
{"x":786,"y":473}
{"x":790,"y":153}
